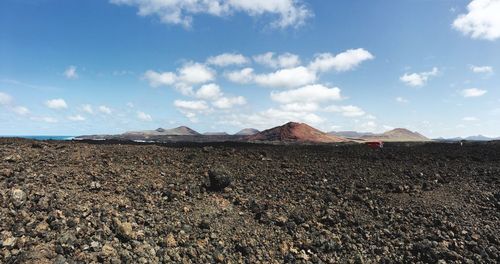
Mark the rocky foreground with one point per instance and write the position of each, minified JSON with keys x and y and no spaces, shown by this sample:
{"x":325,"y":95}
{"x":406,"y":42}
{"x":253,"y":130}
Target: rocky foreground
{"x":74,"y":202}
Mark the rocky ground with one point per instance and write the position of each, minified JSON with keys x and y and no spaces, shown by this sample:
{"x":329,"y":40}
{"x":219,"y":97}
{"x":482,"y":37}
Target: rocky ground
{"x":74,"y":202}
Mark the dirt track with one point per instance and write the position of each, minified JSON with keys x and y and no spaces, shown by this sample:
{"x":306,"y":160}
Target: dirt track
{"x":77,"y":202}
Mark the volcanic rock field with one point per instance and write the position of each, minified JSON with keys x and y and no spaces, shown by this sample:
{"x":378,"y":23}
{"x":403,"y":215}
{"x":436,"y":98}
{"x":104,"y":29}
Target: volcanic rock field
{"x":84,"y":202}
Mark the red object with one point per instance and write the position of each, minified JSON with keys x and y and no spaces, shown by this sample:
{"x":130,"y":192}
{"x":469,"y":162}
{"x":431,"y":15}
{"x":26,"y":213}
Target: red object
{"x":375,"y":144}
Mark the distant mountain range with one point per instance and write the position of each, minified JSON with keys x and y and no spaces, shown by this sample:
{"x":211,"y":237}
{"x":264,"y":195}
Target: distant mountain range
{"x":178,"y":131}
{"x":289,"y":132}
{"x":395,"y":135}
{"x":247,"y":132}
{"x":470,"y":138}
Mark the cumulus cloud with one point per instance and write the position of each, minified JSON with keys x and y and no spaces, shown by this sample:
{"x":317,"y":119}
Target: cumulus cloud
{"x":290,"y":13}
{"x":87,"y":109}
{"x":70,"y":73}
{"x":21,"y":110}
{"x":104,"y":109}
{"x":287,"y":78}
{"x":5,"y":99}
{"x":310,"y":93}
{"x":401,"y":100}
{"x":227,"y":59}
{"x":482,"y":21}
{"x":270,"y":118}
{"x":418,"y":79}
{"x":242,"y":76}
{"x":196,"y":73}
{"x":229,"y":102}
{"x":76,"y":118}
{"x":209,"y":92}
{"x":157,"y":79}
{"x":199,"y":105}
{"x":470,"y":118}
{"x":473,"y":92}
{"x":481,"y":69}
{"x":46,"y":119}
{"x":300,"y":107}
{"x":144,"y":117}
{"x":56,"y":104}
{"x":346,"y":110}
{"x":344,"y":61}
{"x":285,"y":60}
{"x":189,"y":74}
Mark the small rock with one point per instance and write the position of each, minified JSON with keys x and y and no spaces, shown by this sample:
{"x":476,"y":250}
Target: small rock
{"x":204,"y":224}
{"x":12,"y":158}
{"x":9,"y":242}
{"x":95,"y":185}
{"x":6,"y":172}
{"x":18,"y":197}
{"x":219,"y":179}
{"x":124,"y":230}
{"x":108,"y":250}
{"x":170,"y":240}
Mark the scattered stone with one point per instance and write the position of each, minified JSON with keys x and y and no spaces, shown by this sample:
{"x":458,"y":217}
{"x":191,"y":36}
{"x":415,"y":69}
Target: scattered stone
{"x":6,"y":172}
{"x":12,"y":158}
{"x":219,"y":179}
{"x":18,"y":197}
{"x":124,"y":230}
{"x":170,"y":240}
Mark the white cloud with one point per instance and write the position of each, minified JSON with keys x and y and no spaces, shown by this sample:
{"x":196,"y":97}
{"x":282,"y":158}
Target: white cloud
{"x":287,"y":78}
{"x":229,"y":102}
{"x":346,"y":110}
{"x":76,"y":118}
{"x":191,"y":105}
{"x":87,"y":109}
{"x":418,"y":79}
{"x":310,"y":93}
{"x":157,"y":79}
{"x":21,"y":110}
{"x":481,"y":69}
{"x":130,"y":105}
{"x":482,"y":20}
{"x":285,"y":60}
{"x":5,"y":99}
{"x":56,"y":104}
{"x":270,"y":118}
{"x":45,"y":119}
{"x":227,"y":59}
{"x":291,"y":13}
{"x":401,"y":100}
{"x":369,"y":126}
{"x":300,"y":107}
{"x":473,"y":92}
{"x":209,"y":92}
{"x":470,"y":118}
{"x":70,"y":73}
{"x":104,"y":109}
{"x":344,"y":61}
{"x":196,"y":73}
{"x":189,"y":74}
{"x":242,"y":76}
{"x":144,"y":117}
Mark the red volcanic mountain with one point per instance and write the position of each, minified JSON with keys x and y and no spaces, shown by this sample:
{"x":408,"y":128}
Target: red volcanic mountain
{"x":295,"y":132}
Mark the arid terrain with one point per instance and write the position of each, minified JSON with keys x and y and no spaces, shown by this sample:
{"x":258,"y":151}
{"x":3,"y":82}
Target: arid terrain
{"x":82,"y":202}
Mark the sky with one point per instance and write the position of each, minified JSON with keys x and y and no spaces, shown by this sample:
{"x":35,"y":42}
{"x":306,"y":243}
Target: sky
{"x":70,"y":67}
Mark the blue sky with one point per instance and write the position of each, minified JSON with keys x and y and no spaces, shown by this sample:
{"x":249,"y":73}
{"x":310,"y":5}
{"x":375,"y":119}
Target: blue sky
{"x":84,"y":67}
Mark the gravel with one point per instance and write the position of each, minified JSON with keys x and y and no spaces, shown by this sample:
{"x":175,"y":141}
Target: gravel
{"x":75,"y":202}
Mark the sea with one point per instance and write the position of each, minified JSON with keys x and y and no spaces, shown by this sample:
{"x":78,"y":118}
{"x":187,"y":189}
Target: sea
{"x":42,"y":137}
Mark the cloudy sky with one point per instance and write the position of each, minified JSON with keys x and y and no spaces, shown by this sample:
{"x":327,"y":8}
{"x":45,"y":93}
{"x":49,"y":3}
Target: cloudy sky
{"x":107,"y":66}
